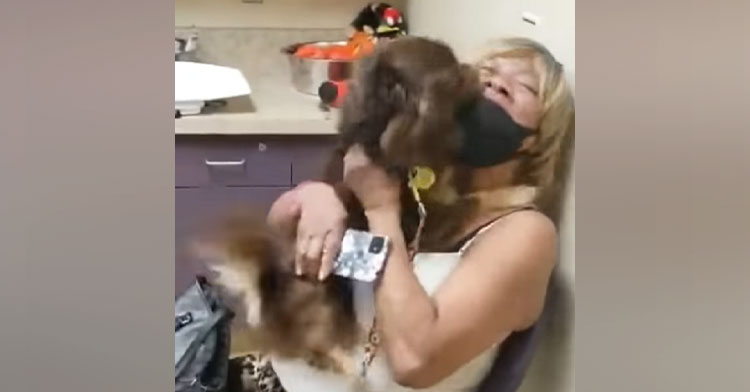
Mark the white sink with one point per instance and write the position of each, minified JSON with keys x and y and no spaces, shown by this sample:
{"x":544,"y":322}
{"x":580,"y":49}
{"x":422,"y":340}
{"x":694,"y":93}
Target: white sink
{"x":196,"y":83}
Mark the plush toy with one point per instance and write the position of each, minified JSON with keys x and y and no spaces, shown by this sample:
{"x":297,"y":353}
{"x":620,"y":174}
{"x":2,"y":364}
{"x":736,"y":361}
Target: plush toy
{"x":375,"y":21}
{"x":380,"y":20}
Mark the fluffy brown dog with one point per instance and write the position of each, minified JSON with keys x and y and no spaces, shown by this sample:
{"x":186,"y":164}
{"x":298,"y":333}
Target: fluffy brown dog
{"x":401,"y":108}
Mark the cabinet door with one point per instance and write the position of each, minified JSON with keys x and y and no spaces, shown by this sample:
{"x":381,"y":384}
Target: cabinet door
{"x":240,"y":161}
{"x":311,"y":156}
{"x":195,"y":206}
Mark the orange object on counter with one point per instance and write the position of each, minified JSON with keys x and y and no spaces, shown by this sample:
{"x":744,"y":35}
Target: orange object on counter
{"x":341,"y":52}
{"x":364,"y":49}
{"x":311,"y":51}
{"x":359,"y":36}
{"x":358,"y":46}
{"x":362,"y":43}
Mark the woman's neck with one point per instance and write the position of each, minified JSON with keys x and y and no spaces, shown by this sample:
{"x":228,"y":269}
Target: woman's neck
{"x":494,"y":191}
{"x":493,"y":177}
{"x":484,"y":194}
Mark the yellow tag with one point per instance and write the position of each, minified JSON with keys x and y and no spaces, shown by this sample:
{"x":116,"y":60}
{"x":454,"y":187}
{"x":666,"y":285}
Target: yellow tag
{"x":422,"y":177}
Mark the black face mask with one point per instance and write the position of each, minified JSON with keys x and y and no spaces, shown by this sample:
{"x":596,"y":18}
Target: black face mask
{"x":490,"y":136}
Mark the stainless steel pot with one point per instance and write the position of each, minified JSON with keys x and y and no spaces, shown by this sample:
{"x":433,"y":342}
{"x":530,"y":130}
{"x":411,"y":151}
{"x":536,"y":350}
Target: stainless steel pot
{"x":309,"y":74}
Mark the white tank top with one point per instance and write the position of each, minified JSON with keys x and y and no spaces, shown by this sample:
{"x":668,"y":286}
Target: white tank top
{"x":431,"y":270}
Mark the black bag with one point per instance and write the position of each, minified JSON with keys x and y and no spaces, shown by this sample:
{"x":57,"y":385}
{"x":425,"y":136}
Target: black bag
{"x":201,"y":340}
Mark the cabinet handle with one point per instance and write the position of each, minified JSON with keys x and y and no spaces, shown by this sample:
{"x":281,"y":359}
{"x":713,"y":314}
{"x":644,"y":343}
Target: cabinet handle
{"x":241,"y":162}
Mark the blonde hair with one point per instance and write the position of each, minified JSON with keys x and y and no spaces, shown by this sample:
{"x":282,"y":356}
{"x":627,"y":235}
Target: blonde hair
{"x":547,"y":165}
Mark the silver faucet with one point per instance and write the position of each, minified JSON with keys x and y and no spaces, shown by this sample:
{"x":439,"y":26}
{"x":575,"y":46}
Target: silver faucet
{"x":184,"y":46}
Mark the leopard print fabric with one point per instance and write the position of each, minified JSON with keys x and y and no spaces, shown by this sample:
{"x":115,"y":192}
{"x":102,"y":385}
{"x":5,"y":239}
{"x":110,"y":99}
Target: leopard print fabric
{"x":253,"y":373}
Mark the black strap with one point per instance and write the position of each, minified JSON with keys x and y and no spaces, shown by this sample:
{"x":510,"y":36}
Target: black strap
{"x":457,"y":246}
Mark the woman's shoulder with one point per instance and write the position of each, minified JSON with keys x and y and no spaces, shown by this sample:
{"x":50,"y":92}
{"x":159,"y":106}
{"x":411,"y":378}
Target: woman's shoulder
{"x":526,"y":234}
{"x":530,"y":221}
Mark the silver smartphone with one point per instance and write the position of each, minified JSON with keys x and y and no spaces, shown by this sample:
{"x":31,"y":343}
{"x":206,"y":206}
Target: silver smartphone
{"x":362,"y":255}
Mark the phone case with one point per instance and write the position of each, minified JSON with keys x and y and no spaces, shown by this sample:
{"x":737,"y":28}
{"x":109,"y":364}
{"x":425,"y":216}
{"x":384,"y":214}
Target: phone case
{"x":362,"y":256}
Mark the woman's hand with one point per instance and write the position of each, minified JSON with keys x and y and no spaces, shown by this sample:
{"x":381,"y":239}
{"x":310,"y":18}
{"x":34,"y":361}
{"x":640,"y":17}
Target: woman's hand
{"x":373,"y":187}
{"x":314,"y":217}
{"x":320,"y":229}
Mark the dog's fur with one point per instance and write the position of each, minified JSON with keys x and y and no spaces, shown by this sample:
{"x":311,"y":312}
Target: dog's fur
{"x":401,"y":108}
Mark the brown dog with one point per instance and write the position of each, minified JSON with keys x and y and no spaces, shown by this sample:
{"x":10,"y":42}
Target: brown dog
{"x":401,"y":108}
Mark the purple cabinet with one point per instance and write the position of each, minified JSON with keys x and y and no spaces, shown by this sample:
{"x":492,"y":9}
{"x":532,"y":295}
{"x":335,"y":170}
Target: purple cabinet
{"x":243,"y":162}
{"x":216,"y":173}
{"x":310,"y":159}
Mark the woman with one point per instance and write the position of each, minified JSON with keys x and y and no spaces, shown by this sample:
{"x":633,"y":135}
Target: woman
{"x":443,"y":316}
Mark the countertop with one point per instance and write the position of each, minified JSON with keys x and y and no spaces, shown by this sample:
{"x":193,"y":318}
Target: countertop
{"x":273,"y":108}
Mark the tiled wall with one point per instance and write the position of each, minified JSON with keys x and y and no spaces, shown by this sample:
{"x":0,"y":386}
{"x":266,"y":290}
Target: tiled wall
{"x":254,"y":51}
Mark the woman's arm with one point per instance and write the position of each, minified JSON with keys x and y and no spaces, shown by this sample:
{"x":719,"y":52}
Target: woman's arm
{"x":498,"y":288}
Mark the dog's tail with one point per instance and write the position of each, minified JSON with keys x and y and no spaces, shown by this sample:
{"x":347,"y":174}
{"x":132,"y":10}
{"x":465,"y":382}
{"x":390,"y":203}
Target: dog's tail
{"x":241,"y":236}
{"x":242,"y":250}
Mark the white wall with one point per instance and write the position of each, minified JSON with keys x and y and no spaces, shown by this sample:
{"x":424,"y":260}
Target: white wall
{"x":466,"y":25}
{"x":269,"y":14}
